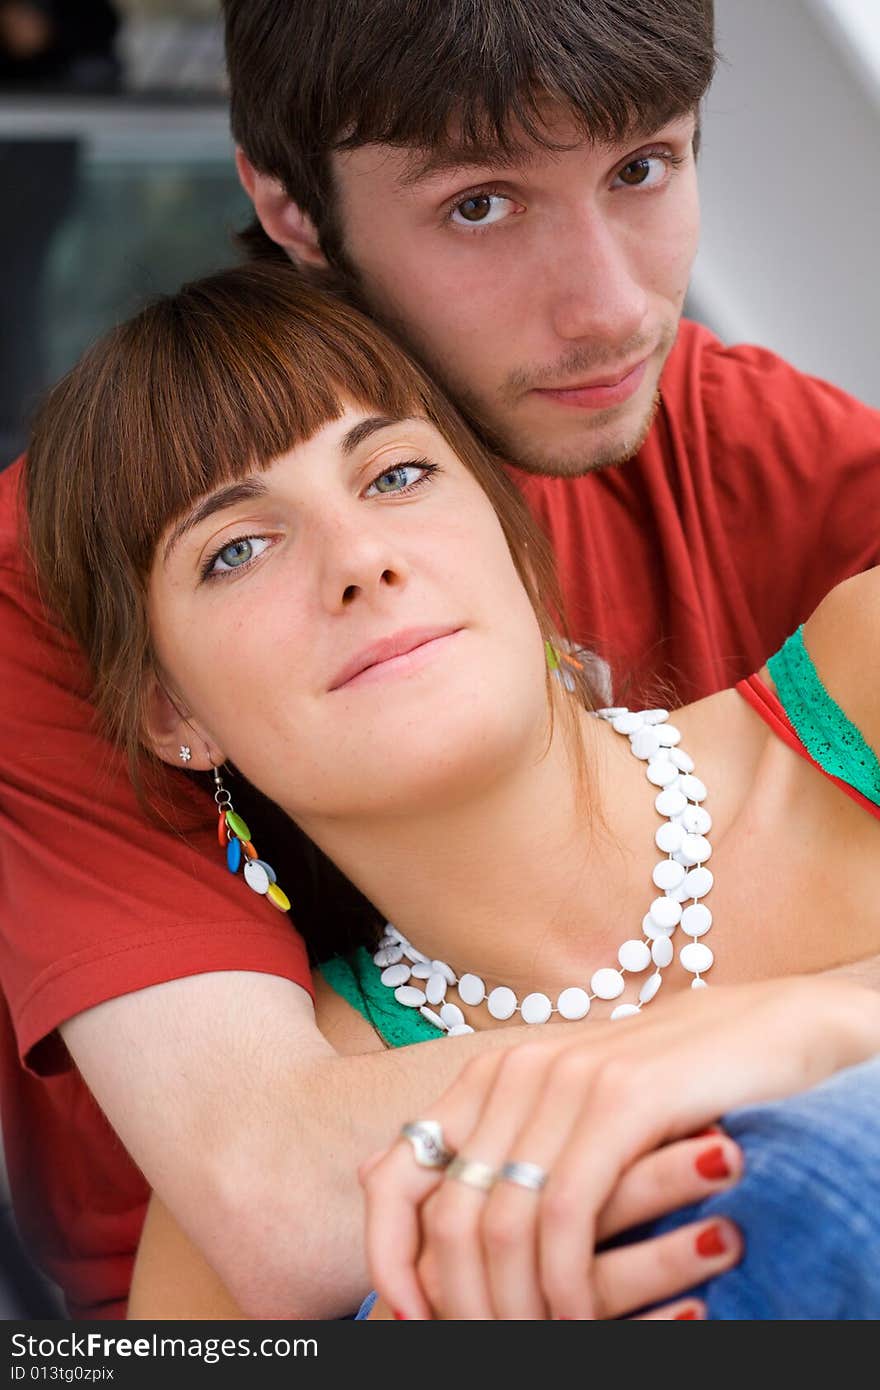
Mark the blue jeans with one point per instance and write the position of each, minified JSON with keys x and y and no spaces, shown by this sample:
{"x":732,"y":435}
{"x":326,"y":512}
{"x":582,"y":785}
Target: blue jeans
{"x":808,"y":1206}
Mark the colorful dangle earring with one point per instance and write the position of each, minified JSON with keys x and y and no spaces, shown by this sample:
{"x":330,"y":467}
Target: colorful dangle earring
{"x":235,"y":838}
{"x":562,"y":664}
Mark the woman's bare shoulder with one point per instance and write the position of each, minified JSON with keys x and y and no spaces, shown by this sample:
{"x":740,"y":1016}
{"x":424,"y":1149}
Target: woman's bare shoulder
{"x":347,"y":1031}
{"x":843,"y":640}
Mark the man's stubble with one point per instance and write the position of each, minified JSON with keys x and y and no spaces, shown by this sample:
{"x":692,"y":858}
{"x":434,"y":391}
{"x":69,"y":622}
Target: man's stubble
{"x":587,"y":454}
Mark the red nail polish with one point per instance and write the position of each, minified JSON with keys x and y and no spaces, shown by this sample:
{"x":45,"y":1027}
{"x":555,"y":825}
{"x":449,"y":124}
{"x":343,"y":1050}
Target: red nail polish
{"x":401,"y":1317}
{"x":712,"y":1163}
{"x":688,"y":1313}
{"x":711,"y":1241}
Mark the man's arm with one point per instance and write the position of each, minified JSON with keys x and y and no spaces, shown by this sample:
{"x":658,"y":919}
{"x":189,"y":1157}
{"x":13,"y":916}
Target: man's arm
{"x":861,"y":972}
{"x":249,"y":1126}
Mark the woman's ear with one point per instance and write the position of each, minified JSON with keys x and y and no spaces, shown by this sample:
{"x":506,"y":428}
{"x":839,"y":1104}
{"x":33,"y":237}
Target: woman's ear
{"x":282,"y":219}
{"x":169,"y":730}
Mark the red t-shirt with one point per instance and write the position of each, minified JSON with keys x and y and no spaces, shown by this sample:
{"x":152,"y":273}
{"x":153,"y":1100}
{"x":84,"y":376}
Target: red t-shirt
{"x":755,"y":493}
{"x":757,"y":490}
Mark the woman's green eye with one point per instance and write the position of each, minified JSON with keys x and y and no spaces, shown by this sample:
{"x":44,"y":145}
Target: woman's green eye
{"x":404,"y":477}
{"x":237,"y":554}
{"x":392,"y":480}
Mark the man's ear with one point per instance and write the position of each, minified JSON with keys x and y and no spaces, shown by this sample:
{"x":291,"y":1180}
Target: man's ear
{"x":169,"y":728}
{"x":282,"y":219}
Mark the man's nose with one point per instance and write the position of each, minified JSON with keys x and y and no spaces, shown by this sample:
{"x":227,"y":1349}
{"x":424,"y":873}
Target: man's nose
{"x":597,"y":291}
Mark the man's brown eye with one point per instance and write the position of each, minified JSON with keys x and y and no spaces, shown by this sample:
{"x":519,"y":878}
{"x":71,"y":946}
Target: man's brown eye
{"x":475,"y":209}
{"x":636,"y":172}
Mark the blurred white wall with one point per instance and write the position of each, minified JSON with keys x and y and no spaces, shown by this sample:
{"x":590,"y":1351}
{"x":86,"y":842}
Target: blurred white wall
{"x":790,"y":253}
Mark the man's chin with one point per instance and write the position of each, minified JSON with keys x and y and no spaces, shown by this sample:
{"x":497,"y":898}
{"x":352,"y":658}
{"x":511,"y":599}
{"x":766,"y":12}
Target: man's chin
{"x":605,"y":444}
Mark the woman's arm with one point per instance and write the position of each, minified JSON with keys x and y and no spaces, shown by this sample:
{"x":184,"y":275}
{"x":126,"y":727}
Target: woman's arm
{"x":172,"y":1279}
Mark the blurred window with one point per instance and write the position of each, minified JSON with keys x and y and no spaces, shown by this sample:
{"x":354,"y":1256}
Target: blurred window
{"x":116,"y":177}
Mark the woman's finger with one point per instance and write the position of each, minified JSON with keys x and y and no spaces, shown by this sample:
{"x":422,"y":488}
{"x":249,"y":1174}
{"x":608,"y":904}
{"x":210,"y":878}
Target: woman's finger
{"x":397,"y":1186}
{"x":619,"y":1121}
{"x":511,"y":1246}
{"x":462,"y":1232}
{"x":626,"y":1114}
{"x":668,"y":1179}
{"x":368,"y":1164}
{"x":450,"y":1231}
{"x":516,"y":1209}
{"x":663,"y":1268}
{"x":451,"y":1270}
{"x":689,"y":1309}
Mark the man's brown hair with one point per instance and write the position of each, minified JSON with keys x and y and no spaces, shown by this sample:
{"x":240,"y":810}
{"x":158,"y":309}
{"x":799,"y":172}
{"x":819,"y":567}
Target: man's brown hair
{"x":309,"y":77}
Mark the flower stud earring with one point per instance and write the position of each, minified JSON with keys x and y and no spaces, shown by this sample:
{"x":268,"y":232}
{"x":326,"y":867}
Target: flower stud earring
{"x":185,"y":753}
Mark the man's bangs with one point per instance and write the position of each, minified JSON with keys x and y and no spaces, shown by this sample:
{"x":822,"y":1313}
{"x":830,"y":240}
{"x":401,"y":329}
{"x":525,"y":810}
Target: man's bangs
{"x":473,"y":131}
{"x":616,"y":74}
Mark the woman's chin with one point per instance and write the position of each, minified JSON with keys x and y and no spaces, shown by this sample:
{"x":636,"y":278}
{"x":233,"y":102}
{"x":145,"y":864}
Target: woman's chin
{"x":411,"y":744}
{"x":428,"y":768}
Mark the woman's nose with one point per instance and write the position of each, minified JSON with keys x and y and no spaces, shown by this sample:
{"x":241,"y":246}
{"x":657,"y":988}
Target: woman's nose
{"x":359,"y":565}
{"x":389,"y":578}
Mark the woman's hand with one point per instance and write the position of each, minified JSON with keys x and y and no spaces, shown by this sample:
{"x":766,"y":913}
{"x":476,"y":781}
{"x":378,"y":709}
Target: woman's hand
{"x":589,"y":1113}
{"x":635,"y":1276}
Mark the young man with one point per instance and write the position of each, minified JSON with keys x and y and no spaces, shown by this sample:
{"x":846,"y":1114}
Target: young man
{"x":513,"y":190}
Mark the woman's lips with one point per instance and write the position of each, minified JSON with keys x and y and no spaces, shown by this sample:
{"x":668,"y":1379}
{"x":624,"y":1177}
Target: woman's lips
{"x":422,"y":650}
{"x":599,"y":397}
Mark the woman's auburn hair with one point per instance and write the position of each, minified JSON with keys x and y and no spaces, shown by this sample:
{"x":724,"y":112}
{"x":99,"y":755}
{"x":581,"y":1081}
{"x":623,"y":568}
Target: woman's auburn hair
{"x":201,"y":388}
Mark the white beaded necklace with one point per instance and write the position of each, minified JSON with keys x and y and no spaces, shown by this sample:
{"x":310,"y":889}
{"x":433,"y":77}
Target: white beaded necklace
{"x":682,"y":878}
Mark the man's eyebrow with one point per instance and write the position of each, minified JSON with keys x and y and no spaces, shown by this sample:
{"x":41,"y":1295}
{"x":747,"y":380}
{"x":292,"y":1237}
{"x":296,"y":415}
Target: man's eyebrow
{"x":443,"y":160}
{"x":363,"y":429}
{"x":215,"y":502}
{"x":446,"y":159}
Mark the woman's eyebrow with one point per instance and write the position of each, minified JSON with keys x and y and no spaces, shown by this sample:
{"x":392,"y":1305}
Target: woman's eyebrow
{"x":215,"y":502}
{"x":363,"y":429}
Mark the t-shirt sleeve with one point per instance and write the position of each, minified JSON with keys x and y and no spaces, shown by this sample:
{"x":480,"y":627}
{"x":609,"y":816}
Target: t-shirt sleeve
{"x":98,"y":899}
{"x":797,"y":469}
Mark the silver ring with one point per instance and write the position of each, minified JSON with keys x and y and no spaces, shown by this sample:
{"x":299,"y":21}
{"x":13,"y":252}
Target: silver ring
{"x":527,"y":1175}
{"x":472,"y":1173}
{"x":428,"y":1146}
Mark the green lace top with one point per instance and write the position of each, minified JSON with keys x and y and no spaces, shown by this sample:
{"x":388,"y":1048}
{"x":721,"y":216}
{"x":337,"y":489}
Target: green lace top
{"x":825,"y":731}
{"x":830,"y":738}
{"x":356,"y":978}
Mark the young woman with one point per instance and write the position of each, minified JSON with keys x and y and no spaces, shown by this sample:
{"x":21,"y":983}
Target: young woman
{"x":286,"y":555}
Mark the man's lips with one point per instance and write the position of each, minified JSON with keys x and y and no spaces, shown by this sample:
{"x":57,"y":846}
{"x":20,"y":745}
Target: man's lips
{"x":379,"y":654}
{"x":601,"y":393}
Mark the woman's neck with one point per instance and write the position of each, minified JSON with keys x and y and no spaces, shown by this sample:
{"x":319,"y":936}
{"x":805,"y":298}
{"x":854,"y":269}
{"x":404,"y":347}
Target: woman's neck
{"x":526,"y":879}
